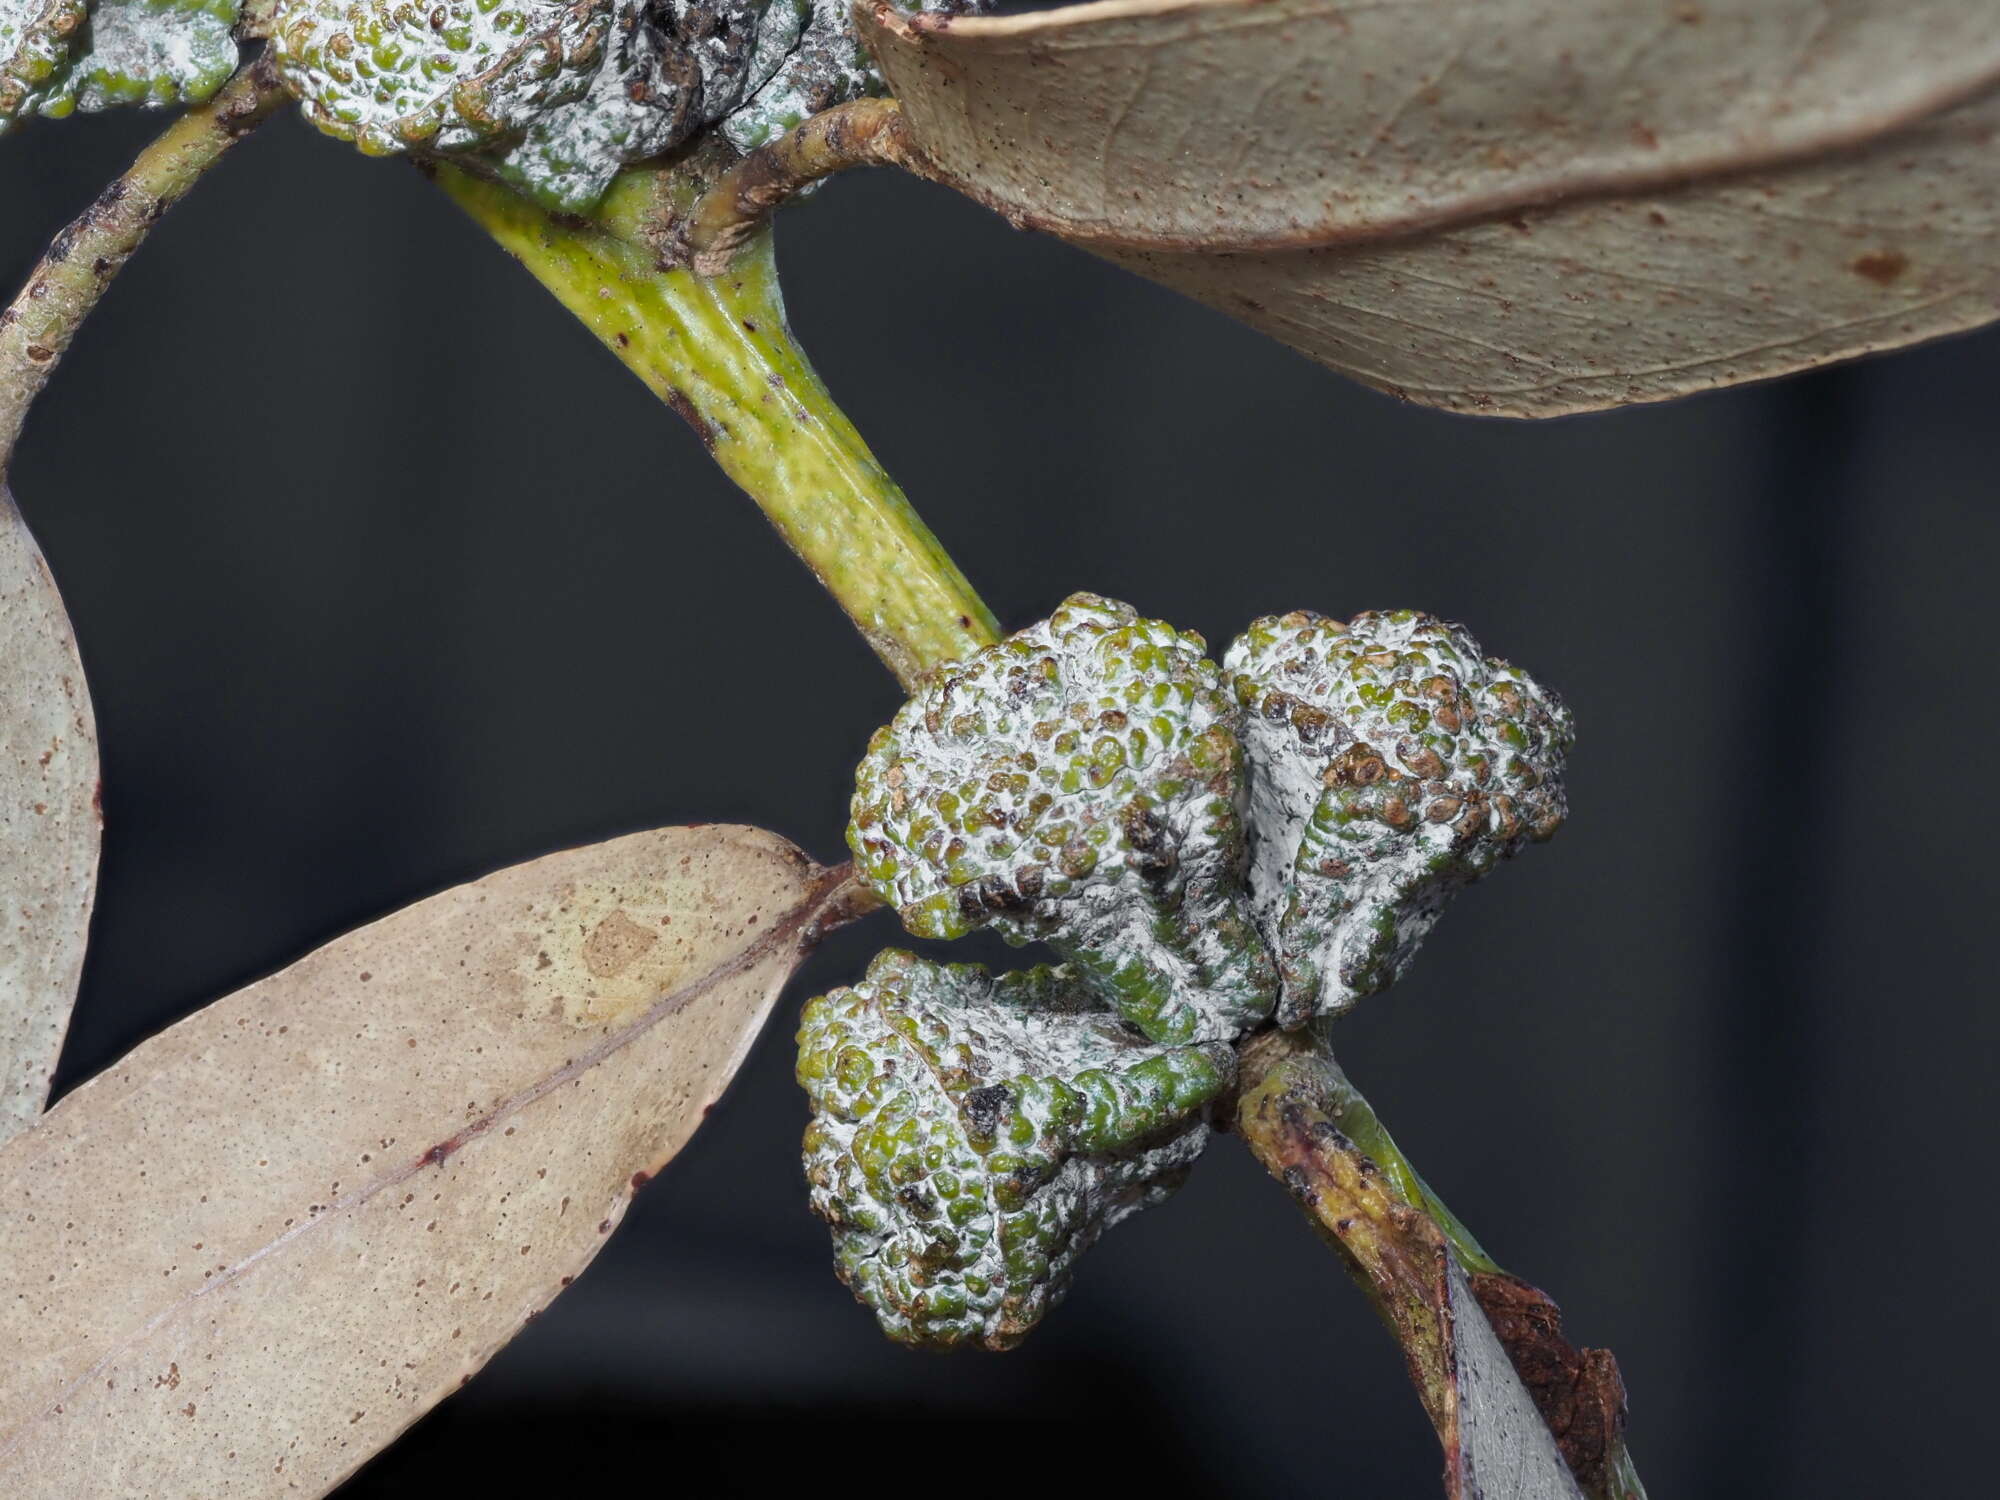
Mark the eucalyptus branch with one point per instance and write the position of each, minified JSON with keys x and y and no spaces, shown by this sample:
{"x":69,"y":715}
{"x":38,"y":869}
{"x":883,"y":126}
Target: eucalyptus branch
{"x":720,"y":353}
{"x":718,"y":350}
{"x":83,"y":259}
{"x":863,"y":133}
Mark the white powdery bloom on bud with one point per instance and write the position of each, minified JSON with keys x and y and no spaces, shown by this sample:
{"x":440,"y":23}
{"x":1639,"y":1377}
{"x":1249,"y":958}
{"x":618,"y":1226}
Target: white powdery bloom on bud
{"x":1079,"y":783}
{"x":57,"y":56}
{"x":973,"y":1136}
{"x":558,"y":97}
{"x":1392,"y":763}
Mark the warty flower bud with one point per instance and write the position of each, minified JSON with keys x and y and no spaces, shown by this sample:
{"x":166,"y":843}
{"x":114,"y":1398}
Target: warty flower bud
{"x":973,"y":1136}
{"x":1079,"y":783}
{"x":1392,"y":763}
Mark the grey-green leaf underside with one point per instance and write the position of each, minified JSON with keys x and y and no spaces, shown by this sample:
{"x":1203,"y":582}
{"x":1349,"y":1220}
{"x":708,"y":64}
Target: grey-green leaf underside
{"x":50,"y":825}
{"x":1515,"y":207}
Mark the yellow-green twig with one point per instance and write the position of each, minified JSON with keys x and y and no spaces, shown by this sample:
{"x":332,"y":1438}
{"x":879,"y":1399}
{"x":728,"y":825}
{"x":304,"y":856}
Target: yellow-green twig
{"x":719,"y":352}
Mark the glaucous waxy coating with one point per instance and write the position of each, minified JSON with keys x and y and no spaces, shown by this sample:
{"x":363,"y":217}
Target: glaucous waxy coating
{"x":57,"y":56}
{"x":972,"y":1136}
{"x":1078,"y":783}
{"x":36,"y":39}
{"x":558,"y":97}
{"x":446,"y":75}
{"x":1392,"y":762}
{"x":822,"y":64}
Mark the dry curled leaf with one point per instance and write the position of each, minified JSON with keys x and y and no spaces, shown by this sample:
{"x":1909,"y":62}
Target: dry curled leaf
{"x":50,"y":823}
{"x":1520,"y":207}
{"x":249,"y":1255}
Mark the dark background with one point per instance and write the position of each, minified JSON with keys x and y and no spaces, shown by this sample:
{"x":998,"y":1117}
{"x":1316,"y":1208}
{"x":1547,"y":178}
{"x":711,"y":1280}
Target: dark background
{"x":366,"y":542}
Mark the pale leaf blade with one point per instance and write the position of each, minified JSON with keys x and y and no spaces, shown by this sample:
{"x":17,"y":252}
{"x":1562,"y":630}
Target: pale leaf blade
{"x":51,"y":827}
{"x":252,"y":1253}
{"x":1522,"y":207}
{"x":1504,"y":1449}
{"x":1196,"y":124}
{"x":1614,"y":301}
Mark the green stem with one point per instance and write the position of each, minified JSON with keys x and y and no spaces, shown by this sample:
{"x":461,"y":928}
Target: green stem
{"x":1311,"y":1129}
{"x":1358,"y":1121}
{"x":80,"y":264}
{"x":720,"y":353}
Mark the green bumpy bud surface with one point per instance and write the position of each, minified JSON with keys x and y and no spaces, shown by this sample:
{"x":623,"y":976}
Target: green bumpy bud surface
{"x":57,"y":56}
{"x":453,"y":75}
{"x":36,"y":39}
{"x":1078,"y":783}
{"x":972,"y":1136}
{"x":1391,"y":763}
{"x":559,"y":97}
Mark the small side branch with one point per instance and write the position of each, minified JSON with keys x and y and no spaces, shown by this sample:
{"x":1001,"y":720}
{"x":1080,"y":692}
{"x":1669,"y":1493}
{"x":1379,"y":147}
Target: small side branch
{"x":864,"y":133}
{"x":83,"y":259}
{"x":1461,"y":1321}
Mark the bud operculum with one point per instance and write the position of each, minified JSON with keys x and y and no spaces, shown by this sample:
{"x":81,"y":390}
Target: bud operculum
{"x":557,"y":98}
{"x":1078,"y":783}
{"x":1393,"y":763}
{"x":972,"y":1136}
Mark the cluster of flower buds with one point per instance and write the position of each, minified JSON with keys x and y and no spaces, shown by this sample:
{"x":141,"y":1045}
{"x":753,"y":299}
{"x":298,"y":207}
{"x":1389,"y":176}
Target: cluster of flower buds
{"x":58,"y":56}
{"x":557,"y":97}
{"x":1080,"y":784}
{"x":973,"y":1136}
{"x":1208,"y":847}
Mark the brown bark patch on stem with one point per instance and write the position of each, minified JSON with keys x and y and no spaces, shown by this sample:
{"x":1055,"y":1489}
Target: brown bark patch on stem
{"x":863,"y":133}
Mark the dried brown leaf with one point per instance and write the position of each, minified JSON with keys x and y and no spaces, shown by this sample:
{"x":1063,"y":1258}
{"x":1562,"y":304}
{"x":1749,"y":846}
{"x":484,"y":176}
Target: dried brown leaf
{"x":50,"y":823}
{"x":249,"y":1255}
{"x":1519,"y":207}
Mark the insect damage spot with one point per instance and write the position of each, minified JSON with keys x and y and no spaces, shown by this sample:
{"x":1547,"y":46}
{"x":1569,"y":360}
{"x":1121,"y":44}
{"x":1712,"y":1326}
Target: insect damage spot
{"x":603,"y":957}
{"x":615,"y":944}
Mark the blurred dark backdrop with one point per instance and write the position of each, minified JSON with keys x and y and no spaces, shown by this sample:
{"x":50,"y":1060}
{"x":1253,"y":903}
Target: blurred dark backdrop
{"x":367,"y":542}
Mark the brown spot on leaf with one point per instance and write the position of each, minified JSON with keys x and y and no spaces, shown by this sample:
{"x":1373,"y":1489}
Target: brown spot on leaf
{"x":1881,"y":266}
